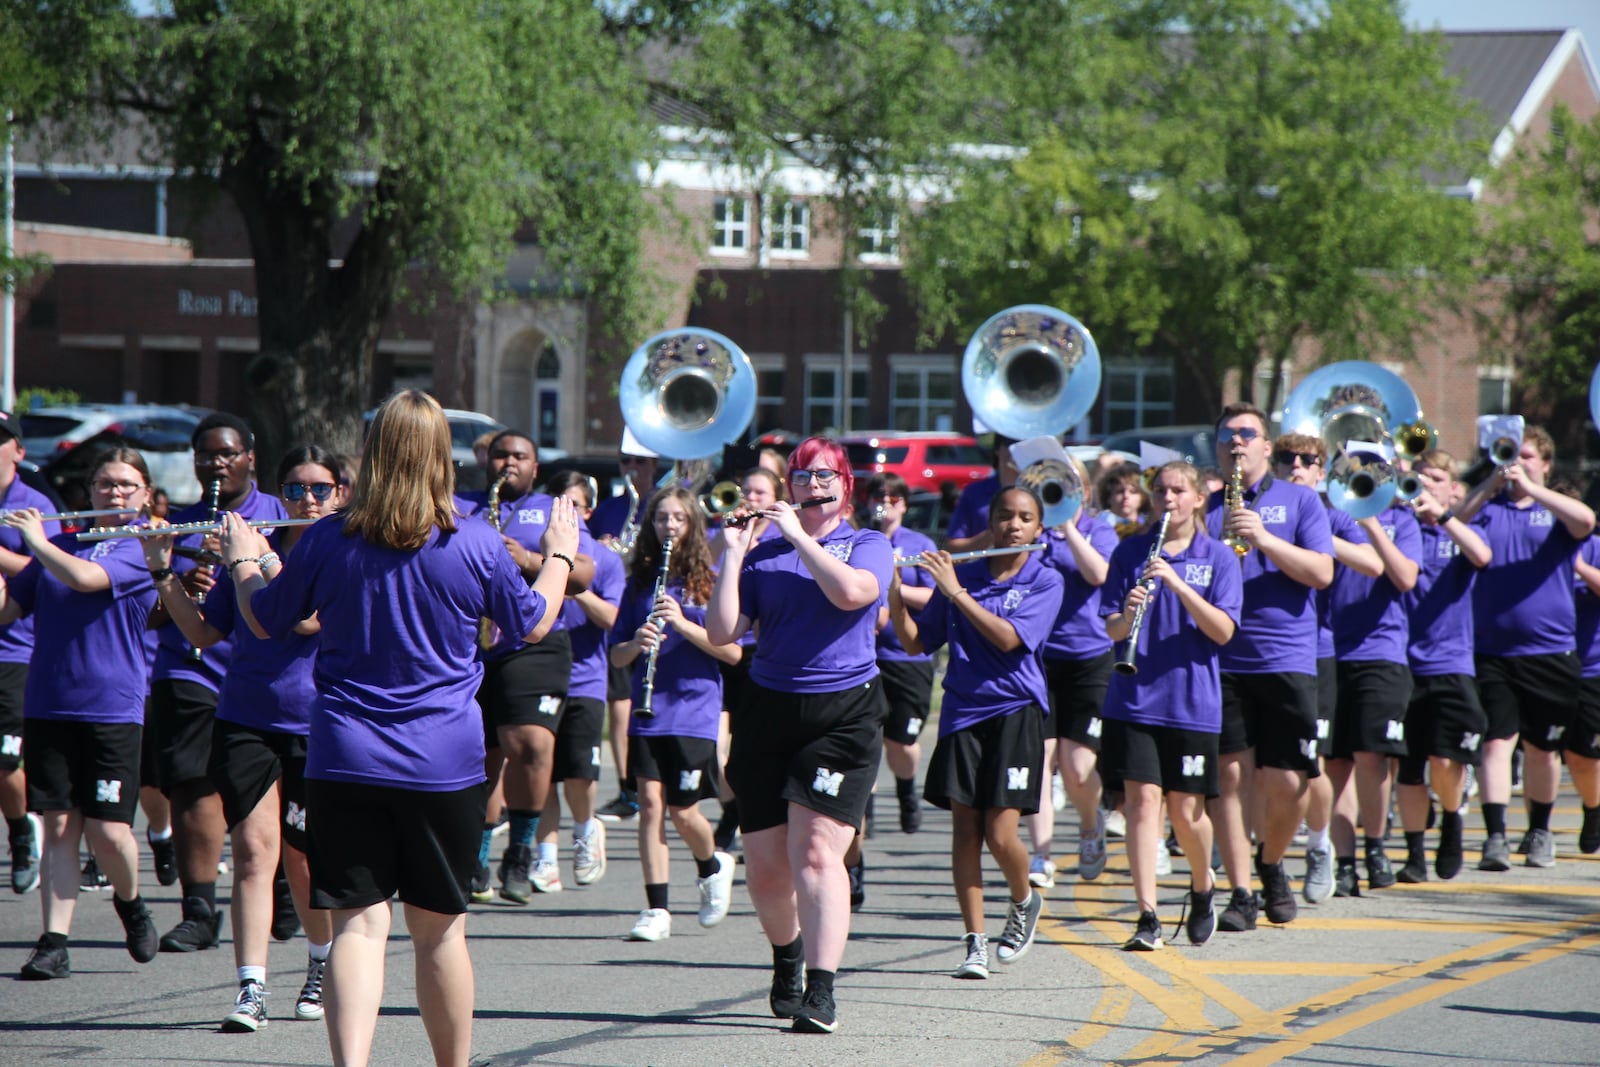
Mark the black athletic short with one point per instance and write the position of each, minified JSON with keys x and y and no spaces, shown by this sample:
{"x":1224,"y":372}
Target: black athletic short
{"x":366,"y":843}
{"x":1444,"y":720}
{"x":1274,"y":714}
{"x":996,"y":763}
{"x":908,"y":686}
{"x":1536,"y":696}
{"x":1583,"y":737}
{"x":818,"y":750}
{"x":1327,"y":703}
{"x":91,"y":766}
{"x":619,"y":682}
{"x":527,"y":687}
{"x":1373,"y":697}
{"x":180,"y":714}
{"x":13,"y":681}
{"x":244,"y":764}
{"x":1179,"y":761}
{"x":1077,"y":690}
{"x":737,"y":688}
{"x":578,"y":741}
{"x":686,"y":767}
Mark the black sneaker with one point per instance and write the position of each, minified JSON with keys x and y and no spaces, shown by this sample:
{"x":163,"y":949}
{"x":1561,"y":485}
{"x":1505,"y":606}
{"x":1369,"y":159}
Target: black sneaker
{"x":1240,"y":914}
{"x":1380,"y":875}
{"x":788,"y":988}
{"x":1588,"y":836}
{"x":1415,"y":870}
{"x":165,"y":855}
{"x":482,"y":887}
{"x":910,"y":814}
{"x":1146,"y":936}
{"x":46,"y":961}
{"x":140,"y":928}
{"x":858,"y":884}
{"x":93,"y":879}
{"x":623,"y":806}
{"x":1447,"y":861}
{"x":201,"y":928}
{"x":1277,"y":894}
{"x":1346,"y":883}
{"x":249,"y":1012}
{"x":285,"y":919}
{"x":817,"y":1014}
{"x":25,"y":857}
{"x":1496,"y":854}
{"x":1202,"y":921}
{"x":516,"y":879}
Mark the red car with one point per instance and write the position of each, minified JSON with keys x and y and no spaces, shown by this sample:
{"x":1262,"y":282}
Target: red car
{"x":928,"y":461}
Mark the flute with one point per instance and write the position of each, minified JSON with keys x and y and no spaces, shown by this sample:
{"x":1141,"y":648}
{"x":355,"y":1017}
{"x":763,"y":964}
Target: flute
{"x":982,"y":553}
{"x":112,"y":533}
{"x":740,"y":521}
{"x":73,"y":516}
{"x":644,"y":710}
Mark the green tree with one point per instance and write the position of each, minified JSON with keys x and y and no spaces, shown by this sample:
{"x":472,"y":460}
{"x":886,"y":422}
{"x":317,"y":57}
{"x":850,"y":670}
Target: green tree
{"x":361,"y":138}
{"x":1544,"y":255}
{"x":1232,"y":183}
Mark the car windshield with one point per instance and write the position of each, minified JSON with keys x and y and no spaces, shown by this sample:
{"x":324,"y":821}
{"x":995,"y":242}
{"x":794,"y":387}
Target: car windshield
{"x":48,"y":425}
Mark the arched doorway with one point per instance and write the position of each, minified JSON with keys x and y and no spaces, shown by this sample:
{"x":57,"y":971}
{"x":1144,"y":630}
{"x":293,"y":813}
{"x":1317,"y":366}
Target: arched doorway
{"x":547,"y":387}
{"x":528,"y":393}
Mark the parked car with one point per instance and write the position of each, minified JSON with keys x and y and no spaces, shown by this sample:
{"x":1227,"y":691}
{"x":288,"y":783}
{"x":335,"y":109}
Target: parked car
{"x":926,"y":460}
{"x":1197,"y":443}
{"x":65,"y":439}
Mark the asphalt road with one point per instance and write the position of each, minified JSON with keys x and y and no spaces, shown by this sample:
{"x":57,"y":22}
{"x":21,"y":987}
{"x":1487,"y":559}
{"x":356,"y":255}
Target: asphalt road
{"x":1488,"y":968}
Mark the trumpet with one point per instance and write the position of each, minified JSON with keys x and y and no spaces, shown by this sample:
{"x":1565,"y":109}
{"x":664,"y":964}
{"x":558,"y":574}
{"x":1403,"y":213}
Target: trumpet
{"x":982,"y":553}
{"x":1126,"y":664}
{"x":723,"y":498}
{"x":74,"y":516}
{"x":115,"y":533}
{"x":644,"y":710}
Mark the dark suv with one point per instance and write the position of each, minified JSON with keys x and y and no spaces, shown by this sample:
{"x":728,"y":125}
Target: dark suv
{"x":927,"y":461}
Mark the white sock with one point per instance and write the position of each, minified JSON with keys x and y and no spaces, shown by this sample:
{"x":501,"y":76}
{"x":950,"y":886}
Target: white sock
{"x":547,"y":852}
{"x":319,"y":952}
{"x":582,"y":830}
{"x":250,"y":973}
{"x":164,"y":835}
{"x":1317,"y":839}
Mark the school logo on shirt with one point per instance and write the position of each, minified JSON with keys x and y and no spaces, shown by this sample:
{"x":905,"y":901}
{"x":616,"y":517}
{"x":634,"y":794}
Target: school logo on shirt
{"x":103,"y":549}
{"x":1447,"y":549}
{"x":827,"y":782}
{"x":1017,"y":777}
{"x":107,"y":792}
{"x":11,"y":745}
{"x":840,"y":550}
{"x":1388,"y":529}
{"x":1540,"y":517}
{"x":1194,"y":767}
{"x":913,"y":727}
{"x":549,"y":705}
{"x":295,"y":816}
{"x":1470,"y":742}
{"x":1197,"y":574}
{"x":1094,"y":726}
{"x":1013,"y":599}
{"x":688,"y":781}
{"x":1394,"y":731}
{"x":1274,"y":514}
{"x":531,"y":516}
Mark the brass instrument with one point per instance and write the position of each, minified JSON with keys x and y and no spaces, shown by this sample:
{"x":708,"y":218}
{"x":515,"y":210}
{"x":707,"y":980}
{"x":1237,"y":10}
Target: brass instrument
{"x":687,"y":393}
{"x":645,"y":710}
{"x":1505,"y":449}
{"x":1126,"y":663}
{"x":981,"y":553}
{"x":1058,"y":488}
{"x":1233,"y":497}
{"x":488,"y":632}
{"x":1031,"y":371}
{"x":723,"y":498}
{"x":116,"y":533}
{"x":624,"y":543}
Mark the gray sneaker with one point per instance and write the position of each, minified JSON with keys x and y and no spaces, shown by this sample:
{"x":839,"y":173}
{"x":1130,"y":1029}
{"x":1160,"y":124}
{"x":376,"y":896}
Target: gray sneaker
{"x":977,"y":962}
{"x":1092,"y":852}
{"x":1541,"y":849}
{"x":1319,"y":876}
{"x":1496,"y":854}
{"x":1021,"y":922}
{"x":249,"y":1012}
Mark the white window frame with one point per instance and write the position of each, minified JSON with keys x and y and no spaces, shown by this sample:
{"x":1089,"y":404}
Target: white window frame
{"x":859,"y":407}
{"x":1498,"y":374}
{"x":883,"y":233}
{"x":760,"y":364}
{"x":922,"y":366}
{"x":789,"y":229}
{"x":1145,"y":414}
{"x":725,"y":228}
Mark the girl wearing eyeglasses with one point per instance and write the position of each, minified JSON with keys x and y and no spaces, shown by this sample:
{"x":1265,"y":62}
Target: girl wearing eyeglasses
{"x":84,"y":705}
{"x":804,"y":768}
{"x":258,"y":741}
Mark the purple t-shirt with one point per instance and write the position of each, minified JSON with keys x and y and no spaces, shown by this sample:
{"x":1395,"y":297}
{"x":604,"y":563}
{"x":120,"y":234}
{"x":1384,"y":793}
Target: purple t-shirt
{"x":1278,"y":625}
{"x":1342,"y":526}
{"x":687,"y":698}
{"x":611,"y":514}
{"x":1439,"y":609}
{"x":92,"y":652}
{"x":173,"y":655}
{"x":1078,"y":632}
{"x":1588,"y":611}
{"x":971,"y":514}
{"x":589,"y":665}
{"x":524,"y":521}
{"x":981,"y":681}
{"x":1179,"y":683}
{"x":269,"y":684}
{"x":16,"y":640}
{"x":807,"y":645}
{"x":1522,"y":604}
{"x":768,"y":532}
{"x":1369,"y":614}
{"x":397,"y":669}
{"x":907,"y":544}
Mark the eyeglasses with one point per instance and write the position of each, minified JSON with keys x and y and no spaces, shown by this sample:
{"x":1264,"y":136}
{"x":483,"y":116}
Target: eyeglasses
{"x":102,"y":486}
{"x":1243,"y":433}
{"x":1287,"y":458}
{"x":885,"y":498}
{"x":226,"y":455}
{"x":294,"y":492}
{"x":822,"y":476}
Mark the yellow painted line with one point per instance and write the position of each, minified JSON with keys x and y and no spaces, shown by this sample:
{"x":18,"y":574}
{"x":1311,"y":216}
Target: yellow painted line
{"x":1319,"y":970}
{"x":1438,"y":926}
{"x":1182,"y":1009}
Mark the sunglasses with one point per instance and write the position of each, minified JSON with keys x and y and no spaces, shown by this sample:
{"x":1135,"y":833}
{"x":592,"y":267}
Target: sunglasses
{"x":822,"y":476}
{"x":1287,"y":458}
{"x":885,"y":498}
{"x":294,"y":492}
{"x":1243,"y":433}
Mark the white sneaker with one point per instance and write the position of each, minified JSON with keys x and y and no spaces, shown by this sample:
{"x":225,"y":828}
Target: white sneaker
{"x":716,"y":891}
{"x":654,"y":924}
{"x":1163,"y":862}
{"x":1115,"y":824}
{"x":546,"y":876}
{"x":589,"y":856}
{"x":1058,"y":792}
{"x":1042,"y":873}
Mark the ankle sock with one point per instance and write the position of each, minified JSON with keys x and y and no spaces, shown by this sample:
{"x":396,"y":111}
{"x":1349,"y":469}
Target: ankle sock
{"x":523,"y":825}
{"x":656,"y":895}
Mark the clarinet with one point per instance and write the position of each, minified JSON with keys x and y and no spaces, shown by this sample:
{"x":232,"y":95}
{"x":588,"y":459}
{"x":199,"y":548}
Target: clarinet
{"x":1126,"y":664}
{"x":213,"y":500}
{"x":644,"y":709}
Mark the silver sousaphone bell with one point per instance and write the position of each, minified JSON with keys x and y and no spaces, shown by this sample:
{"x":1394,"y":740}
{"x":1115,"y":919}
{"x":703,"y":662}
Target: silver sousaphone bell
{"x":1031,"y":371}
{"x":687,"y":393}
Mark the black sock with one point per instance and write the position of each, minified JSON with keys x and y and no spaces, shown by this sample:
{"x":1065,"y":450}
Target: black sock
{"x":1539,"y":815}
{"x":821,"y":981}
{"x":126,"y":907}
{"x":1494,"y":818}
{"x":790,"y":953}
{"x":18,"y":827}
{"x":55,"y":940}
{"x":906,"y":788}
{"x":655,"y":895}
{"x":1446,"y":817}
{"x":705,"y":868}
{"x":206,"y":891}
{"x":1374,"y":844}
{"x":1414,"y":845}
{"x":1345,"y":861}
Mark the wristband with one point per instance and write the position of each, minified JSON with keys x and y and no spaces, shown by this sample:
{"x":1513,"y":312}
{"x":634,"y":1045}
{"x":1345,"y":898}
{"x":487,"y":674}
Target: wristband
{"x":240,"y":562}
{"x":161,"y":575}
{"x":268,"y":560}
{"x":564,"y":558}
{"x":1449,"y":513}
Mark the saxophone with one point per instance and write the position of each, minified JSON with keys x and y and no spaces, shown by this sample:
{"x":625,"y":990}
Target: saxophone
{"x":1233,"y":498}
{"x":488,"y":632}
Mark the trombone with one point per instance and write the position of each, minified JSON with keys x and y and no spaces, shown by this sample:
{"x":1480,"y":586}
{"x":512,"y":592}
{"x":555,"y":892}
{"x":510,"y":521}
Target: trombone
{"x":114,"y":533}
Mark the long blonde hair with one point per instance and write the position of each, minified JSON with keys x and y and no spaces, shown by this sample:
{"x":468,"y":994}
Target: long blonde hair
{"x":407,"y":483}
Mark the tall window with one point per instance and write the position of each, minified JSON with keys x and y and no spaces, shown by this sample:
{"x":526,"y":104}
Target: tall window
{"x":730,"y":224}
{"x":1494,"y":390}
{"x":922,"y":393}
{"x":770,"y":398}
{"x":1263,"y":389}
{"x":878,"y":240}
{"x":1138,"y":394}
{"x":824,"y":397}
{"x":789,"y":228}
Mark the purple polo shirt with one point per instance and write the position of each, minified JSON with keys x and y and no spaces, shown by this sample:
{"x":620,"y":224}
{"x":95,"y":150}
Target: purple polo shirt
{"x":173,"y":660}
{"x":1278,"y":625}
{"x":982,"y":682}
{"x":92,"y":652}
{"x":525,"y":520}
{"x":16,"y":640}
{"x":1522,"y":604}
{"x":687,"y":699}
{"x":908,"y":544}
{"x":589,"y":665}
{"x":769,"y":532}
{"x":971,"y":514}
{"x":1439,"y":609}
{"x":1369,"y":614}
{"x":269,"y":684}
{"x":397,"y":670}
{"x":1179,"y":683}
{"x":1588,"y":611}
{"x":1342,"y":526}
{"x":1078,"y":632}
{"x":807,"y":645}
{"x":611,"y":514}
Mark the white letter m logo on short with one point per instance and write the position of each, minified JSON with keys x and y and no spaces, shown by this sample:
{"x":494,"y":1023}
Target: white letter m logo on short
{"x":1194,"y":766}
{"x":107,"y":792}
{"x":1017,"y":777}
{"x":828,"y":782}
{"x":689,"y":780}
{"x":10,"y":744}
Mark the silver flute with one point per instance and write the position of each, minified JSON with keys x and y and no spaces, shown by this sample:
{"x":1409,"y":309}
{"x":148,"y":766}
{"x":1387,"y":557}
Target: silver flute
{"x":73,"y":516}
{"x":982,"y":553}
{"x":1126,"y":664}
{"x":644,"y":709}
{"x":112,"y":533}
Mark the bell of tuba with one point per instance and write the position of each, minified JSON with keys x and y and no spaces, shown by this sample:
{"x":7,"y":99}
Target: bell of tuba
{"x":1356,"y":401}
{"x":1361,"y":484}
{"x":686,"y":393}
{"x":1031,"y":371}
{"x":1058,"y":488}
